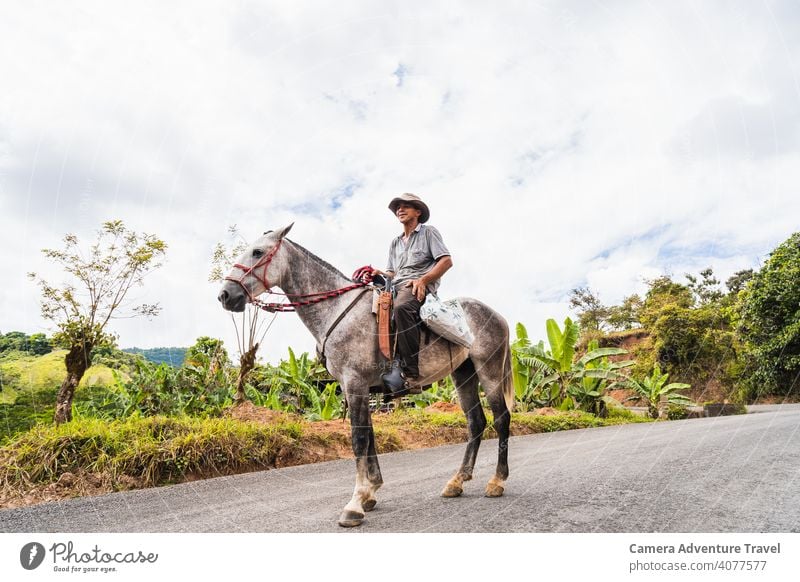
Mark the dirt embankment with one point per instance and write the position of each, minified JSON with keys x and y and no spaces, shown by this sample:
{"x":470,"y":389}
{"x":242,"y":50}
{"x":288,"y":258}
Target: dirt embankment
{"x":328,"y":440}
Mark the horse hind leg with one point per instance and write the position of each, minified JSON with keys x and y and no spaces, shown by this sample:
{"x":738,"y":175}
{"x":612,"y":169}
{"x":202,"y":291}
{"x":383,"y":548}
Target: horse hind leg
{"x":495,"y":386}
{"x":495,"y":377}
{"x":466,"y":382}
{"x":368,"y":473}
{"x":502,"y":423}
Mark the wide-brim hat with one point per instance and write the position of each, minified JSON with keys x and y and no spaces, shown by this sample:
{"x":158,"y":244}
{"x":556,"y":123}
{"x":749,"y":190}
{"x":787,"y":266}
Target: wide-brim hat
{"x":415,"y":201}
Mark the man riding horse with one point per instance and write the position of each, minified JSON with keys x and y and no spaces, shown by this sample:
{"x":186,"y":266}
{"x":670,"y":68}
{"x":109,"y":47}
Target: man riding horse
{"x":417,"y":260}
{"x":337,"y":312}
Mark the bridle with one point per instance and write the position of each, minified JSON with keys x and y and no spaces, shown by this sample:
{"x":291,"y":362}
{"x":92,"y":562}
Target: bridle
{"x":364,"y":276}
{"x":264,"y":262}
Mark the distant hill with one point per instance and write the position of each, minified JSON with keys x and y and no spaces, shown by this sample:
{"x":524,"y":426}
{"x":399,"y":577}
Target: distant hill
{"x":172,"y":356}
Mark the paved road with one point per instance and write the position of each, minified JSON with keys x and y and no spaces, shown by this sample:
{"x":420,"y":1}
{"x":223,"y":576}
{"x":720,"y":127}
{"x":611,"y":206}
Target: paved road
{"x":727,"y":474}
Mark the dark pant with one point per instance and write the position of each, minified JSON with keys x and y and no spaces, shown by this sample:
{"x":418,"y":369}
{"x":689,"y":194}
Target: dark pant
{"x":407,"y":324}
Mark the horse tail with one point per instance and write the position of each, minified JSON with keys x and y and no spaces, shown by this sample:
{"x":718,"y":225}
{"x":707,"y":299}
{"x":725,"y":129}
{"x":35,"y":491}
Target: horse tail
{"x":508,"y":379}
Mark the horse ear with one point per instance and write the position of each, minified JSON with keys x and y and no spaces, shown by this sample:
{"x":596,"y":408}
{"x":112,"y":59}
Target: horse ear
{"x":283,"y":231}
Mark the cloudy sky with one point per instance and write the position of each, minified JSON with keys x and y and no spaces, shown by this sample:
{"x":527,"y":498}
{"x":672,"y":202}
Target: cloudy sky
{"x":557,"y":143}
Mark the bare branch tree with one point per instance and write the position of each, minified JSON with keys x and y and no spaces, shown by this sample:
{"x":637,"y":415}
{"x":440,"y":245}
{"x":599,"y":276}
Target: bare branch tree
{"x":118,"y":260}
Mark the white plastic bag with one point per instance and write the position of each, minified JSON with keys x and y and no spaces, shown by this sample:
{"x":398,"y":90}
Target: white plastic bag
{"x":447,"y":319}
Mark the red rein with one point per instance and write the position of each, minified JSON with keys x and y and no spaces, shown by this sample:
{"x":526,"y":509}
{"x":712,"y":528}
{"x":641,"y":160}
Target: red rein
{"x":362,"y":275}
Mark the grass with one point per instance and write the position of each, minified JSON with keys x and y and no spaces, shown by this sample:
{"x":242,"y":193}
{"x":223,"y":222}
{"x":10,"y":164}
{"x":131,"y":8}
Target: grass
{"x":527,"y":423}
{"x":421,"y":418}
{"x":521,"y":423}
{"x":154,"y":450}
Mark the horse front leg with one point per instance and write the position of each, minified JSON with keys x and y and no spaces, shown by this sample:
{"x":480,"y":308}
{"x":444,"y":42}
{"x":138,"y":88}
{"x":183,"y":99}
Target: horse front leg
{"x":368,"y":472}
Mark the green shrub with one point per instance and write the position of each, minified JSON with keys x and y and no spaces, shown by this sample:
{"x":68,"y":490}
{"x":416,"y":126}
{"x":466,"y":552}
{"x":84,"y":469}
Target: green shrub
{"x":676,"y":412}
{"x":564,"y":421}
{"x":769,"y":322}
{"x":28,"y":409}
{"x":622,"y":414}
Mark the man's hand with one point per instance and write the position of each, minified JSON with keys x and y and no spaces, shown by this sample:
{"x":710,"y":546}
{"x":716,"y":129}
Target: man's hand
{"x":418,"y":288}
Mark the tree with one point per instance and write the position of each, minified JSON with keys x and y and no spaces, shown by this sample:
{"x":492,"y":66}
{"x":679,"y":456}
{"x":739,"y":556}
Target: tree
{"x":663,"y":291}
{"x":691,"y":328}
{"x":706,"y":288}
{"x":592,"y":314}
{"x":117,"y":261}
{"x":38,"y":344}
{"x":207,"y":351}
{"x":626,"y":315}
{"x":738,"y":281}
{"x":769,"y":320}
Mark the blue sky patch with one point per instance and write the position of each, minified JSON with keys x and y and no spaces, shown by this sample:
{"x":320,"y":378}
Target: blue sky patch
{"x":400,"y":72}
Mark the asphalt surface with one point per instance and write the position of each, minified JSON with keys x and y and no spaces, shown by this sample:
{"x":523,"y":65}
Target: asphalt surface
{"x":726,"y":474}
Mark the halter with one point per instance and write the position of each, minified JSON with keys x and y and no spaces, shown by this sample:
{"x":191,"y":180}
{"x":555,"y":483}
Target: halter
{"x":363,"y":275}
{"x":262,"y":262}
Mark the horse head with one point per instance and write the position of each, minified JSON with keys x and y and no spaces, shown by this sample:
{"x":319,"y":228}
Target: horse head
{"x":256,"y":270}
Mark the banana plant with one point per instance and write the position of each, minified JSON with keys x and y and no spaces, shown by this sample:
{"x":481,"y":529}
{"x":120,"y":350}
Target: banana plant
{"x":527,"y":380}
{"x":557,"y":365}
{"x":590,"y":393}
{"x":331,"y":402}
{"x":294,"y":388}
{"x":295,"y":376}
{"x":441,"y":391}
{"x":654,"y":389}
{"x":519,"y":371}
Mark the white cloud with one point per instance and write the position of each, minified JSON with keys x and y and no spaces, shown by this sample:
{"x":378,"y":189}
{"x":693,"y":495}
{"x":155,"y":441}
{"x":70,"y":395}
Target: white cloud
{"x":558,"y":144}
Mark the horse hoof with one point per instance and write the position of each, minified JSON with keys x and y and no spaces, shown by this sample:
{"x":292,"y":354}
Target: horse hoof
{"x":351,"y":519}
{"x":494,"y":490}
{"x":452,"y":491}
{"x":369,"y":504}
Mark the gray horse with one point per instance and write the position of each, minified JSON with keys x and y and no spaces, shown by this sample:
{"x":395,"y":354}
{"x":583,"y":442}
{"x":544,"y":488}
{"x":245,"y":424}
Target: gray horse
{"x":350,"y":348}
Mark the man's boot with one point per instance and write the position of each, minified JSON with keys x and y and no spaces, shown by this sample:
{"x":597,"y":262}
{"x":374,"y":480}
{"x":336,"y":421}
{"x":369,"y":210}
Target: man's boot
{"x":395,"y":381}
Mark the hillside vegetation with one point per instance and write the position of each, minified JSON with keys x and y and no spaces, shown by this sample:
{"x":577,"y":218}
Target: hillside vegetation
{"x":172,"y":356}
{"x":30,"y":384}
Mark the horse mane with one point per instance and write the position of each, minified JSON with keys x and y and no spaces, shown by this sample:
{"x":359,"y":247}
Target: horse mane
{"x":316,"y":259}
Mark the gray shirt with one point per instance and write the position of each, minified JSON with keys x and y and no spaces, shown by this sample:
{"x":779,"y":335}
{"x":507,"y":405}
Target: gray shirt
{"x":412,"y":259}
